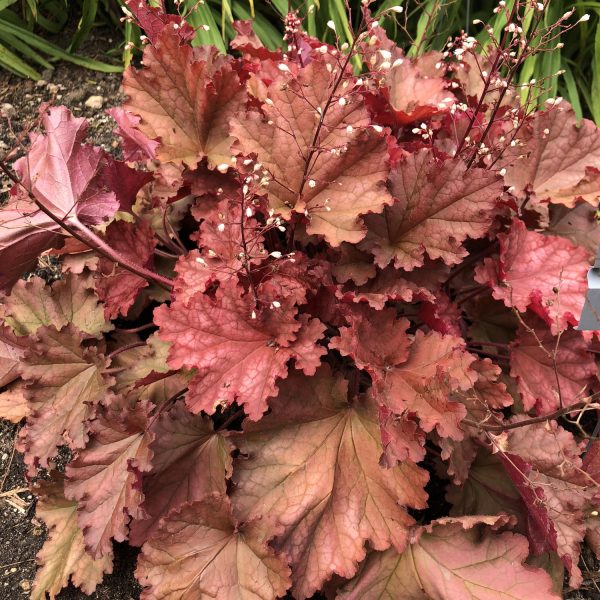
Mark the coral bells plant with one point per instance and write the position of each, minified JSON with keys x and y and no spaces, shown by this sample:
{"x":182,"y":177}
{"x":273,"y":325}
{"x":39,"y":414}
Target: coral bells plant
{"x":315,"y":333}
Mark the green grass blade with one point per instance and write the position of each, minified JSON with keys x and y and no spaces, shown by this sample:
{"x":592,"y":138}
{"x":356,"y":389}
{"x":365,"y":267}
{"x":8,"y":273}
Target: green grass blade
{"x":572,"y":93}
{"x":25,"y":50}
{"x":9,"y":60}
{"x":56,"y":51}
{"x":595,"y":85}
{"x":86,"y":23}
{"x":268,"y":34}
{"x":199,"y":16}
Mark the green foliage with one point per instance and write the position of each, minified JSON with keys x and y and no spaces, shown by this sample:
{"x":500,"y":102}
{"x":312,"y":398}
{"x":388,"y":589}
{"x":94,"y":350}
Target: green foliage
{"x":424,"y":25}
{"x":25,"y":26}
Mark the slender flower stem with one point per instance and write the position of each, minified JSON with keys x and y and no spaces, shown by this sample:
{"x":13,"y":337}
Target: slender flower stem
{"x":125,"y":348}
{"x":552,"y":416}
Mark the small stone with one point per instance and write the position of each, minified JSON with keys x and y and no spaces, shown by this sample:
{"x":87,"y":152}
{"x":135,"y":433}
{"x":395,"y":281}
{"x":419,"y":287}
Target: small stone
{"x":25,"y":585}
{"x":52,"y":88}
{"x":95,"y":102}
{"x":41,"y":83}
{"x":8,"y":110}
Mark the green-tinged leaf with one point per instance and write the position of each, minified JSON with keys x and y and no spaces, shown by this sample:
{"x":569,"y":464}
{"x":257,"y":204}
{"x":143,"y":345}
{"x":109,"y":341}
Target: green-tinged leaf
{"x":63,"y":556}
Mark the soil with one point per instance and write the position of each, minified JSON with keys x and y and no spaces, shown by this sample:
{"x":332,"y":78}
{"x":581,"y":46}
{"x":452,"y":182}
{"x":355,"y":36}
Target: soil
{"x":21,"y":534}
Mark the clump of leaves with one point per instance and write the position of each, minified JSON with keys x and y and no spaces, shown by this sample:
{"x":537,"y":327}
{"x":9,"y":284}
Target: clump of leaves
{"x":303,"y":295}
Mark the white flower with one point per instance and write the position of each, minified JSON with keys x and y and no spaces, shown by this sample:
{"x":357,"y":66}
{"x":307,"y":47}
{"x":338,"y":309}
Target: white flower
{"x":331,"y":25}
{"x":223,"y":168}
{"x":312,"y":183}
{"x":275,"y":254}
{"x":397,"y":9}
{"x":221,"y":227}
{"x":283,"y":67}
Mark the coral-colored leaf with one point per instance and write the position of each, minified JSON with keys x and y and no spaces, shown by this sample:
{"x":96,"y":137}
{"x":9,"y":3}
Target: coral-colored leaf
{"x":390,"y":284}
{"x":105,"y":478}
{"x":363,"y":342}
{"x":482,"y":402}
{"x":545,"y":273}
{"x":64,"y":385}
{"x":312,"y":464}
{"x":117,"y":287}
{"x":202,"y":551}
{"x":343,"y":180}
{"x":437,"y":205}
{"x":560,"y":164}
{"x":422,"y":384}
{"x":189,"y":461}
{"x":555,"y":489}
{"x":185,"y":99}
{"x":33,"y":304}
{"x":63,"y":556}
{"x":136,"y":145}
{"x":238,"y":357}
{"x":457,"y":559}
{"x":415,"y":93}
{"x":551,"y":372}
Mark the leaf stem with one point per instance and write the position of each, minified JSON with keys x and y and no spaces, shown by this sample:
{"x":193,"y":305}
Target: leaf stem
{"x":552,"y":416}
{"x":85,"y":235}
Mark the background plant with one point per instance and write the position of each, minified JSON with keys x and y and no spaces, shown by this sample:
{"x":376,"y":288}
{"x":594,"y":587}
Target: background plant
{"x":427,"y":26}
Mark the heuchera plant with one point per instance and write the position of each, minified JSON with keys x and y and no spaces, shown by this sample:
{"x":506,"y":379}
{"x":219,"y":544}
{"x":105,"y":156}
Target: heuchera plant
{"x":315,"y":333}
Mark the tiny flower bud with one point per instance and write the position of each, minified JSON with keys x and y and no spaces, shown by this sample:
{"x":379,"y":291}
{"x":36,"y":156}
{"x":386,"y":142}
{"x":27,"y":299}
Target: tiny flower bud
{"x":312,"y":183}
{"x":221,"y":227}
{"x":397,"y":9}
{"x":331,"y":25}
{"x":275,"y":254}
{"x":223,"y":168}
{"x":377,"y":128}
{"x":585,"y":17}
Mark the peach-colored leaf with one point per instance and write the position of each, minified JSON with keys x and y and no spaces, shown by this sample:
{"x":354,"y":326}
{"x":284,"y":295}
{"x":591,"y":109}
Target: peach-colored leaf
{"x":454,"y":559}
{"x":63,"y":556}
{"x":105,"y":478}
{"x":202,"y":551}
{"x":437,"y":206}
{"x":332,"y":186}
{"x":185,"y":98}
{"x":312,"y":465}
